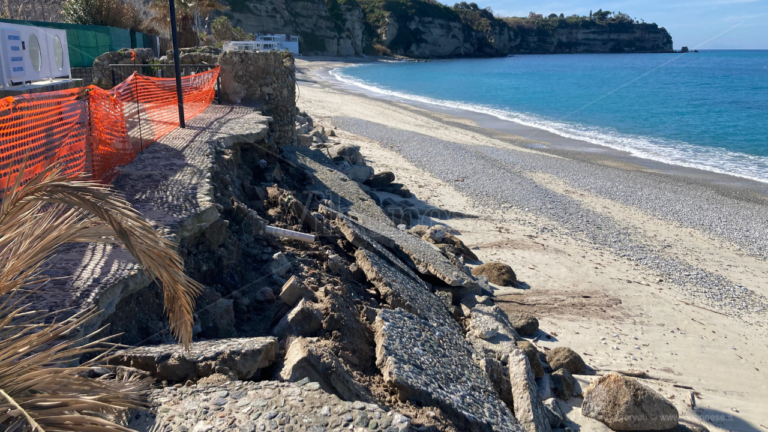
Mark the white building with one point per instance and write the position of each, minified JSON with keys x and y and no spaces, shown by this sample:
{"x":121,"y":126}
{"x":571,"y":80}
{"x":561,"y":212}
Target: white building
{"x":267,"y":42}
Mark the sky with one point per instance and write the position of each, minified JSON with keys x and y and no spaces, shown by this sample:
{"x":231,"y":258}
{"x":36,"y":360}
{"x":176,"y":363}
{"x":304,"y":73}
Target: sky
{"x":702,"y":24}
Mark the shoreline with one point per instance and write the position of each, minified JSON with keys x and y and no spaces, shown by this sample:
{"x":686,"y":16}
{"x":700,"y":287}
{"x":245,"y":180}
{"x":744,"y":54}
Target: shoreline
{"x":547,"y":141}
{"x":634,"y":268}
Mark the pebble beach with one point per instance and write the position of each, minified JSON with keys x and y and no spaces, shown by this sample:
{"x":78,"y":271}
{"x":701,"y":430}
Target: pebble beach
{"x":636,"y":267}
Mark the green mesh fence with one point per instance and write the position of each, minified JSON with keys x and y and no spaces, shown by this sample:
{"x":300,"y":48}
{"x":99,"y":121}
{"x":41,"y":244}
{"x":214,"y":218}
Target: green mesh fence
{"x":86,"y":42}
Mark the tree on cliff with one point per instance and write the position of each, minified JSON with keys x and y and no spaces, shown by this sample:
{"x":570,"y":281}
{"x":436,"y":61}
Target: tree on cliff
{"x":190,"y":16}
{"x":223,"y":31}
{"x":114,"y":13}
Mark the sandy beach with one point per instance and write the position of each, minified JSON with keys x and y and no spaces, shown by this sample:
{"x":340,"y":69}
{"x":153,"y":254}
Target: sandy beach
{"x":634,"y":264}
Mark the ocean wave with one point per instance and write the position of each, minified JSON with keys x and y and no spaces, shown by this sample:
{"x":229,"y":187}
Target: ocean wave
{"x":657,"y":149}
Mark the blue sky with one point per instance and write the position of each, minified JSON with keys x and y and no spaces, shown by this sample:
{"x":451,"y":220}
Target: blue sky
{"x":703,"y":24}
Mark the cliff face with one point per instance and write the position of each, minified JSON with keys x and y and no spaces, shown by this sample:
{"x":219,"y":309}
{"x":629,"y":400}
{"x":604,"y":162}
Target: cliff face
{"x":425,"y":29}
{"x":334,"y":28}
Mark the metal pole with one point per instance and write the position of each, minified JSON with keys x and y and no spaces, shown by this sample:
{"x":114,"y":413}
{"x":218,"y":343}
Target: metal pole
{"x":177,"y":68}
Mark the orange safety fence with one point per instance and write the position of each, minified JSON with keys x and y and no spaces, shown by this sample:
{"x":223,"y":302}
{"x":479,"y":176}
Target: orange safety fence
{"x":91,"y":130}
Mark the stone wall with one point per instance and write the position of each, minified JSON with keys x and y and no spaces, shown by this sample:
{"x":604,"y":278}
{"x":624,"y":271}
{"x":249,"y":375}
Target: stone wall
{"x":265,"y":80}
{"x":102,"y":75}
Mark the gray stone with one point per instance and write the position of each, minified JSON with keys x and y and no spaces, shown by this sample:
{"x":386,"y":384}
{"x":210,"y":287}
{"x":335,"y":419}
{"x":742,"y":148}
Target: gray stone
{"x":243,"y":356}
{"x":358,"y":173}
{"x":525,"y":324}
{"x":499,"y":376}
{"x":490,"y":333}
{"x":545,"y":387}
{"x":566,"y":358}
{"x":347,"y":152}
{"x":381,"y":179}
{"x":279,"y":265}
{"x":529,"y":409}
{"x":533,"y":357}
{"x":562,"y":384}
{"x":303,"y":320}
{"x":554,"y":413}
{"x":624,"y":404}
{"x":432,"y":366}
{"x":308,"y":358}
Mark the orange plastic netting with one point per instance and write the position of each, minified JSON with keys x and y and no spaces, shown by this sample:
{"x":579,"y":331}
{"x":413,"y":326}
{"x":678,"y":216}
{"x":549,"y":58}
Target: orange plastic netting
{"x":91,"y":130}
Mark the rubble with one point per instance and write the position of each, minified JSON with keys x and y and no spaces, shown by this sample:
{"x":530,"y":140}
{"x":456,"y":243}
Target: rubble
{"x":303,"y":320}
{"x":307,"y":358}
{"x":432,"y":366}
{"x":568,"y":359}
{"x":529,"y":410}
{"x":243,"y":356}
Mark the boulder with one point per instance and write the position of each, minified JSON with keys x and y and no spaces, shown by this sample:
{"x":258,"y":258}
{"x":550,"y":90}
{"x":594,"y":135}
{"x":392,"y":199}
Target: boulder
{"x":566,"y":358}
{"x":525,"y":324}
{"x":533,"y":357}
{"x":358,"y":173}
{"x":545,"y":387}
{"x":554,"y":413}
{"x":347,"y":152}
{"x":216,"y":315}
{"x":529,"y":410}
{"x":497,"y":273}
{"x":623,"y":404}
{"x":243,"y":357}
{"x":279,"y":265}
{"x":381,"y":179}
{"x":563,"y":384}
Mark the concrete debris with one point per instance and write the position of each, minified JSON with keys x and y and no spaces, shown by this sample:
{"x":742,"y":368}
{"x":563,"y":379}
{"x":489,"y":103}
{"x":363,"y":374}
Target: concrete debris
{"x":292,"y":291}
{"x":308,"y":358}
{"x":279,"y":265}
{"x":529,"y":410}
{"x":490,"y":333}
{"x":554,"y":413}
{"x":244,"y":357}
{"x":533,"y":357}
{"x":432,"y":366}
{"x":563,"y":384}
{"x":401,"y":291}
{"x":303,"y":320}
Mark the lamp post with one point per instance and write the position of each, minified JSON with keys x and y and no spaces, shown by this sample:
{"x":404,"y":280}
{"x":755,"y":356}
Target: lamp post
{"x":176,"y":66}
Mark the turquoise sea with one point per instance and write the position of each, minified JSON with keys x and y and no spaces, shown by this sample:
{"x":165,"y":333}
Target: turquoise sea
{"x":706,"y":110}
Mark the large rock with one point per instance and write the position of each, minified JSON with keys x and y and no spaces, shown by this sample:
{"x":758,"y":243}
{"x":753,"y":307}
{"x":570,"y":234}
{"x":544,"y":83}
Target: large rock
{"x":432,"y":366}
{"x":554,"y":413}
{"x":256,"y":406}
{"x":243,"y":357}
{"x":624,"y":404}
{"x":497,"y":273}
{"x":529,"y":410}
{"x":381,"y":179}
{"x":347,"y":152}
{"x":563,"y":384}
{"x":533,"y":357}
{"x":308,"y":358}
{"x":525,"y":324}
{"x":490,"y":333}
{"x":568,"y":359}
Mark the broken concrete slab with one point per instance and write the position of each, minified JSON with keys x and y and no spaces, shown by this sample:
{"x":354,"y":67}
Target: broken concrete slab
{"x":256,"y":406}
{"x":490,"y":332}
{"x":333,"y":185}
{"x":292,"y":291}
{"x":401,"y":291}
{"x":242,"y":356}
{"x":432,"y":366}
{"x":499,"y":376}
{"x":308,"y":358}
{"x":529,"y":410}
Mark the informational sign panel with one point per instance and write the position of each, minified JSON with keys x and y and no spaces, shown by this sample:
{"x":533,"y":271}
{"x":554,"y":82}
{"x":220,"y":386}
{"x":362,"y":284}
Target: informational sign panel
{"x":13,"y":47}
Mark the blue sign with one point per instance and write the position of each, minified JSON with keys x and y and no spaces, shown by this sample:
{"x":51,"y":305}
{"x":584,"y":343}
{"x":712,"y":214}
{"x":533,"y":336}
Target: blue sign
{"x":15,"y":48}
{"x":17,"y":59}
{"x":18,"y":69}
{"x":12,"y":37}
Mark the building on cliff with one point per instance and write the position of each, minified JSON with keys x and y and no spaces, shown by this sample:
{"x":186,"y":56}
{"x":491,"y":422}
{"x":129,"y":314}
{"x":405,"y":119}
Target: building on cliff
{"x":268,"y":42}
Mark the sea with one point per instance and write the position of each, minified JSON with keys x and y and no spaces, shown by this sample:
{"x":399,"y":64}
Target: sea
{"x":705,"y":110}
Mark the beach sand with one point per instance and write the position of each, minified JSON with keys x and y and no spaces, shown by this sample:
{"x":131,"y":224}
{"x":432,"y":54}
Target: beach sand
{"x":633,"y":264}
